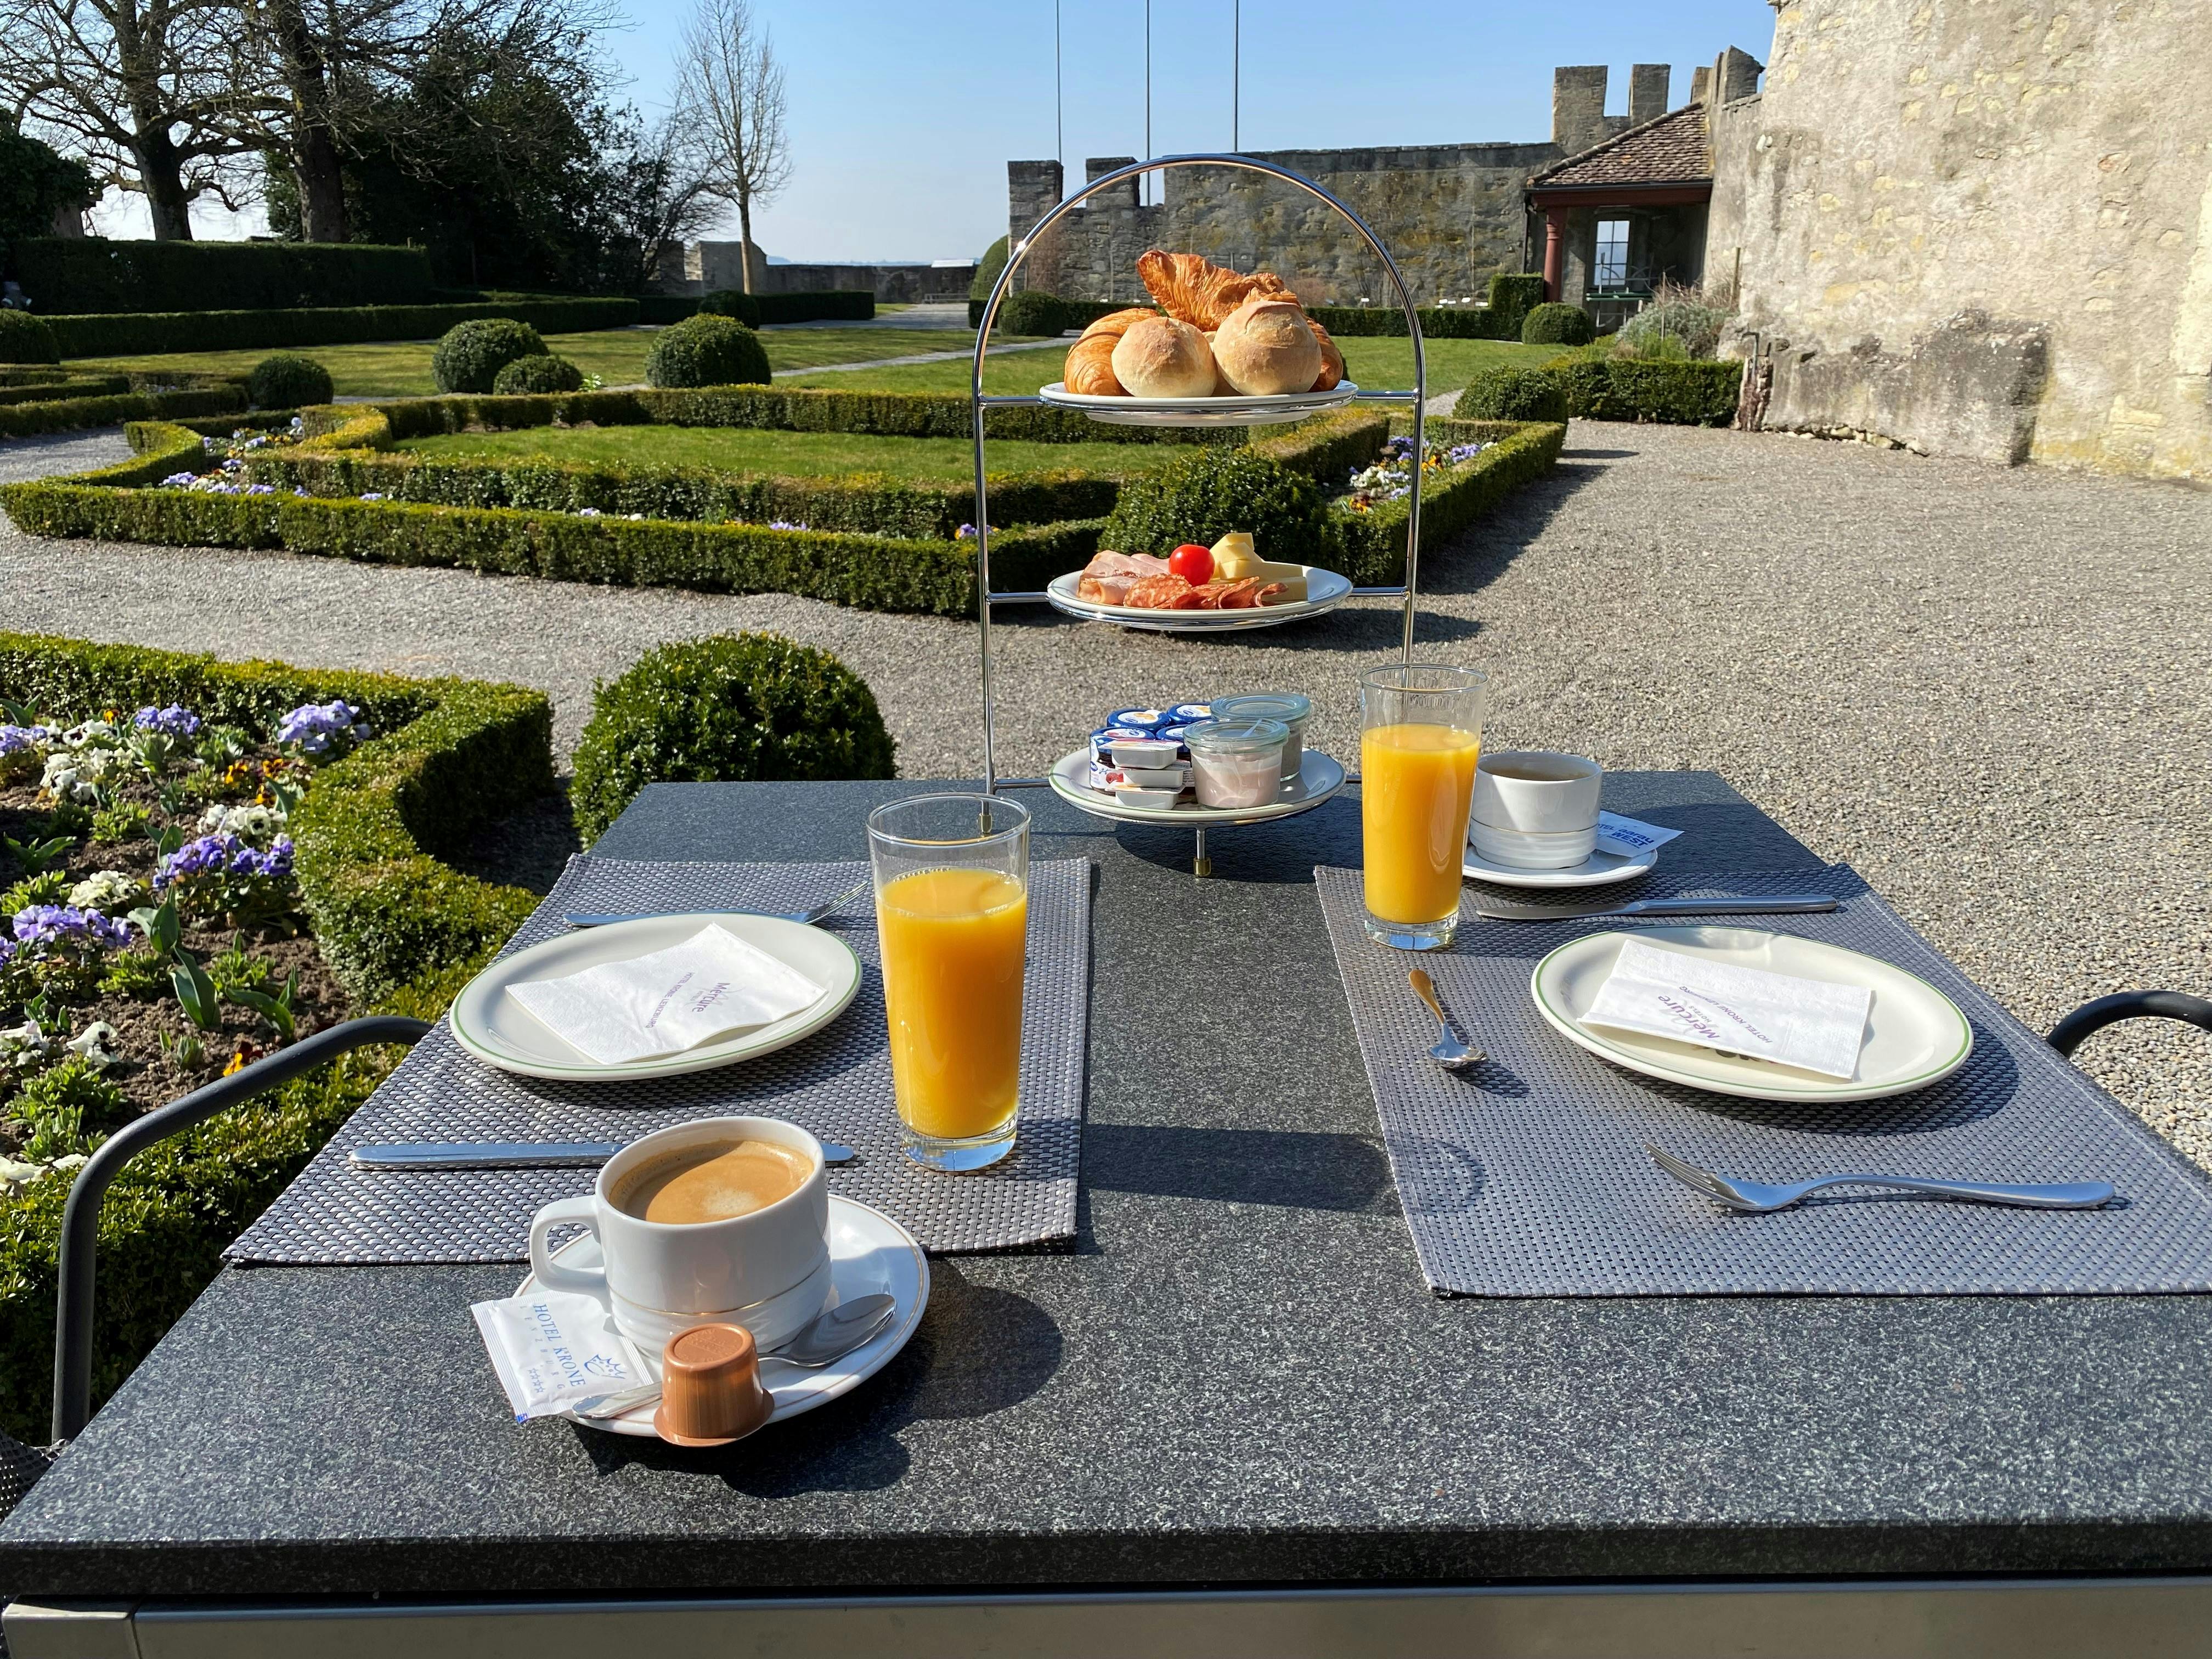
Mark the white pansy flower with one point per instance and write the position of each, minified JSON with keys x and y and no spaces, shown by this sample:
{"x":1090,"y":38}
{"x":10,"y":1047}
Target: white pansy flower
{"x":252,"y":823}
{"x":107,"y":891}
{"x":94,"y":1044}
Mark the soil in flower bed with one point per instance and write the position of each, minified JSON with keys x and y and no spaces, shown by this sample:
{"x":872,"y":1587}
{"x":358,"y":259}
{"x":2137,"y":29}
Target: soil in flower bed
{"x":138,"y":1000}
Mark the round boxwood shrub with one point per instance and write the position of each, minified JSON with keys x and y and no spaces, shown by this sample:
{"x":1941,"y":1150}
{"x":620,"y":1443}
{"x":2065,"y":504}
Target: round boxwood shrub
{"x":1215,"y":489}
{"x":527,"y":377}
{"x":471,"y":356}
{"x":707,"y":351}
{"x":1032,"y":311}
{"x":732,"y":302}
{"x":1552,"y":323}
{"x":288,"y":381}
{"x":1511,"y":394}
{"x":26,"y":339}
{"x":731,"y":708}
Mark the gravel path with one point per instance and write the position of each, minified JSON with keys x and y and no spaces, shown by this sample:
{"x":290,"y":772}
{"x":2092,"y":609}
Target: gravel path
{"x":1989,"y":689}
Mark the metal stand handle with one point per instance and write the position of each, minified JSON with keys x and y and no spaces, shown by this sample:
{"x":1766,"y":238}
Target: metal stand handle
{"x":80,"y":1216}
{"x":1020,"y":251}
{"x":2093,"y":1017}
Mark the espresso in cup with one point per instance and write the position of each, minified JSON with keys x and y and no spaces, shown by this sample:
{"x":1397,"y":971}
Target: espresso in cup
{"x":722,"y":1221}
{"x":711,"y":1183}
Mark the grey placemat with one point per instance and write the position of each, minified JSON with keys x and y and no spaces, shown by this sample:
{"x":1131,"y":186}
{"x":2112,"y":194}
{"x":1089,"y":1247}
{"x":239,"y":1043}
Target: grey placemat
{"x":837,"y":1083}
{"x":1527,"y":1176}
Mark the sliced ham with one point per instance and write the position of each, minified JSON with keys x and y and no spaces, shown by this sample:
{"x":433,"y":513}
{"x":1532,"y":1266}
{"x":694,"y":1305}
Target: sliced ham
{"x":1102,"y":565}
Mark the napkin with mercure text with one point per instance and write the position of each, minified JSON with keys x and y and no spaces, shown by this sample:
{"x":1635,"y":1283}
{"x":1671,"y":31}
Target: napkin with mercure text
{"x":1809,"y":1023}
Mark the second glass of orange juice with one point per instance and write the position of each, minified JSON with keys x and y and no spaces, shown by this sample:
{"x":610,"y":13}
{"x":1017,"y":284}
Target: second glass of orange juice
{"x":1421,"y":734}
{"x":952,"y":913}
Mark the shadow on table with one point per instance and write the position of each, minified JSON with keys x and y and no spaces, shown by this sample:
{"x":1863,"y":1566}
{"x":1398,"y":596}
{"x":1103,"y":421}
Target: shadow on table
{"x":1981,"y":1088}
{"x":979,"y":1350}
{"x":1294,"y":1169}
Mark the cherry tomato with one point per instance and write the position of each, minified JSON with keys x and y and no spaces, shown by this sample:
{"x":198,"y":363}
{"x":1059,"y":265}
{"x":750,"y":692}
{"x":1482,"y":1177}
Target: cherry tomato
{"x":1193,"y":564}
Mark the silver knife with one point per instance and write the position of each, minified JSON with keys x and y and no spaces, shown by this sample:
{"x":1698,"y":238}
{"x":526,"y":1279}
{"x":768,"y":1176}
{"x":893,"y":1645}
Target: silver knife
{"x":1506,"y":910}
{"x":513,"y":1154}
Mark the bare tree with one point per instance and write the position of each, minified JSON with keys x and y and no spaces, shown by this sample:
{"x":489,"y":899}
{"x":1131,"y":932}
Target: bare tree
{"x":140,"y":87}
{"x":731,"y":88}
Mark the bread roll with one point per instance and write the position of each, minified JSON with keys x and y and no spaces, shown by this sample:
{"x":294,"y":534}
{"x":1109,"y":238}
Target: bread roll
{"x":1332,"y":360}
{"x":1221,"y":386}
{"x":1265,"y":348}
{"x":1161,"y":357}
{"x":1090,"y":368}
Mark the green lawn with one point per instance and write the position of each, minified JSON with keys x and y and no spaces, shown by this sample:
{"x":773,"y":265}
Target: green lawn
{"x":401,"y":368}
{"x":791,"y":454}
{"x":1379,"y":364}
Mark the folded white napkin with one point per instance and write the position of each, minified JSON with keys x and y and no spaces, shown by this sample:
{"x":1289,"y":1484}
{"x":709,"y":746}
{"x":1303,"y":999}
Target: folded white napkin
{"x":1629,"y":837}
{"x":712,"y":984}
{"x":1810,"y":1024}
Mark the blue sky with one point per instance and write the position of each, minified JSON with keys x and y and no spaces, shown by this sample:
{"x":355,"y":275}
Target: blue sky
{"x":903,"y":116}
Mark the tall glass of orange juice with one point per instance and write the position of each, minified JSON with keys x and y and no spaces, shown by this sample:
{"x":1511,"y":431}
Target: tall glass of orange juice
{"x":1421,"y":735}
{"x":952,"y":876}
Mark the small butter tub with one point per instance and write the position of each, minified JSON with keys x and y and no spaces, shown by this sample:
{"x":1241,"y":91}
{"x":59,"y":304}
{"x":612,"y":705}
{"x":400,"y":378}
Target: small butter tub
{"x":1237,"y":764}
{"x":1140,"y":719}
{"x":1293,"y":708}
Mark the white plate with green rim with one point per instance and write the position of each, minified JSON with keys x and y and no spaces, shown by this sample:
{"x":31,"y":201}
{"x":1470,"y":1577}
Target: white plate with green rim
{"x":499,"y":1031}
{"x":1915,"y":1034}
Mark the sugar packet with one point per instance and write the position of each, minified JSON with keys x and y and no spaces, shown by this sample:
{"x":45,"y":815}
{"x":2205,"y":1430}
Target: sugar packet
{"x":559,"y":1354}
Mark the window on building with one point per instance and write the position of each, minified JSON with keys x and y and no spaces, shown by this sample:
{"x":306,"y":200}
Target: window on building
{"x":1612,"y":265}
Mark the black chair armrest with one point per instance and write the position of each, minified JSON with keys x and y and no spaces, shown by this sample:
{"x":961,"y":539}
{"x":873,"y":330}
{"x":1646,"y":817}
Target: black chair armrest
{"x":81,"y":1215}
{"x":2093,"y":1017}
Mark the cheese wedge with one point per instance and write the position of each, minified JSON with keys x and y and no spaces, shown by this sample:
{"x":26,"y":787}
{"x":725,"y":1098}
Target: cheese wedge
{"x":1235,"y":560}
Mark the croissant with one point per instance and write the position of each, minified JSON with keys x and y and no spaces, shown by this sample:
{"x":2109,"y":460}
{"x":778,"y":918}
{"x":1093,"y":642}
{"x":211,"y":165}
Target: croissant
{"x":1332,"y":360}
{"x":1197,"y":291}
{"x":1090,"y":368}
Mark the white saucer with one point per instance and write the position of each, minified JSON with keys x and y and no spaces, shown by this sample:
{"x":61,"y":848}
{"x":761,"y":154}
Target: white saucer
{"x":1319,"y":777}
{"x":868,"y":1252}
{"x":1596,"y":870}
{"x":1915,"y":1034}
{"x":1325,"y":590}
{"x":499,"y":1031}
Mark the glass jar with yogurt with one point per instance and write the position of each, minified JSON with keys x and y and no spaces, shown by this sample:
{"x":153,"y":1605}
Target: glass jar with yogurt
{"x":1236,"y":763}
{"x":1292,"y":708}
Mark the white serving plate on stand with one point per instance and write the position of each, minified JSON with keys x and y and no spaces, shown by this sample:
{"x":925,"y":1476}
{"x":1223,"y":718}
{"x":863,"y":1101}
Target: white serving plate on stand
{"x":1915,"y":1034}
{"x":869,"y":1252}
{"x":1325,"y":590}
{"x":499,"y":1031}
{"x":1319,"y":777}
{"x":1235,"y":409}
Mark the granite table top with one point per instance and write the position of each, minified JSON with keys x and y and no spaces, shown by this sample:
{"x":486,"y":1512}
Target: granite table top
{"x":1236,"y":1375}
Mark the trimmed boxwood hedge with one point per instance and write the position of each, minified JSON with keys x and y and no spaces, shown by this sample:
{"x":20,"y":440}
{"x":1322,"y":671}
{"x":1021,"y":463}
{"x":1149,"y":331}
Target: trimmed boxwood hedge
{"x":1555,"y":324}
{"x":876,"y":573}
{"x":26,"y":339}
{"x":1695,"y":392}
{"x":136,"y":331}
{"x":68,"y":414}
{"x":470,"y":354}
{"x":729,"y":708}
{"x":92,"y":274}
{"x":1511,"y":394}
{"x":709,"y":349}
{"x":869,"y":503}
{"x":788,"y":409}
{"x":54,"y":386}
{"x":402,"y":930}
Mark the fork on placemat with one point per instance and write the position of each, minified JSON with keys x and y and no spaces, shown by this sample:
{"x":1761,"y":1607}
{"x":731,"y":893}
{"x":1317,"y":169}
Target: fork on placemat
{"x":1756,"y":1198}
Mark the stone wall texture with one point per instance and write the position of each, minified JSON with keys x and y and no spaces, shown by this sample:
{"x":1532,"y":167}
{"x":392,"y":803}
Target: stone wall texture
{"x":1450,"y":214}
{"x":705,"y":267}
{"x":1981,"y":229}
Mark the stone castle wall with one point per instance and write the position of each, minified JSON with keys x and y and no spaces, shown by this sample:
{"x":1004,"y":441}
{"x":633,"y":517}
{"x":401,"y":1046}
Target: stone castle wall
{"x":1450,"y":214}
{"x":1981,"y":231}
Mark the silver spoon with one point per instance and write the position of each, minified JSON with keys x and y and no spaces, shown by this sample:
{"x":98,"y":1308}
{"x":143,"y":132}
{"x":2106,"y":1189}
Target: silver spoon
{"x":835,"y":1332}
{"x":1452,"y":1051}
{"x":514,"y":1154}
{"x":805,"y":918}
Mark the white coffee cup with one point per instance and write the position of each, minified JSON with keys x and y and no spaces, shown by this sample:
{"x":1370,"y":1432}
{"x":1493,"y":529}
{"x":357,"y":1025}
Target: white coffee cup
{"x":768,"y":1271}
{"x":1535,"y":809}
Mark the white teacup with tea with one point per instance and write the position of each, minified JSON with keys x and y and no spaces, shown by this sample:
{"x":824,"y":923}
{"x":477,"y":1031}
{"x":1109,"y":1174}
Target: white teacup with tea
{"x":722,"y":1221}
{"x":1535,"y":809}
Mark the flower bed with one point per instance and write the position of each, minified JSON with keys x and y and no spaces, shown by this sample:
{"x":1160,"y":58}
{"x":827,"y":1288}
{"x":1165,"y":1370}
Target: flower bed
{"x":237,"y":855}
{"x":1471,"y":466}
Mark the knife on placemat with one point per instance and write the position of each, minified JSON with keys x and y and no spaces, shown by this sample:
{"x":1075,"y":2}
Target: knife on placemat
{"x":513,"y":1154}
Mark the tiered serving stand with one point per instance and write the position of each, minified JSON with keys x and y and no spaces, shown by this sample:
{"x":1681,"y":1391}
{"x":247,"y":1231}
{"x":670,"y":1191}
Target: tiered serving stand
{"x":1327,"y":775}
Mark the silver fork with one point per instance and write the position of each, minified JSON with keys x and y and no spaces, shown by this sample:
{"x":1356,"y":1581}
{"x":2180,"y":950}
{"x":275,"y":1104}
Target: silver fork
{"x":805,"y":918}
{"x":1755,"y":1198}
